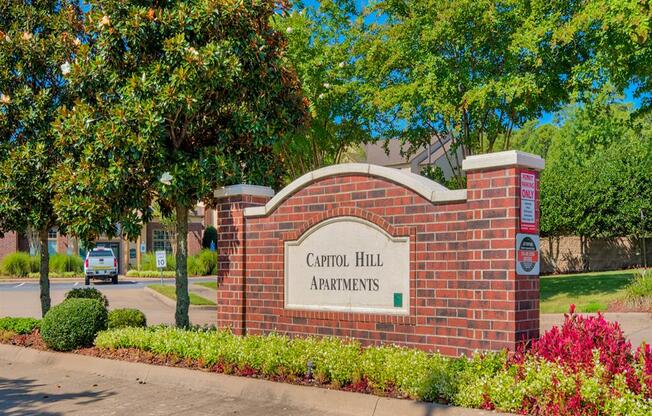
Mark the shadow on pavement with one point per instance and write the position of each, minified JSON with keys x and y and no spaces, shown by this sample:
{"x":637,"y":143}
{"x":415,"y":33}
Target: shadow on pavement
{"x":24,"y":397}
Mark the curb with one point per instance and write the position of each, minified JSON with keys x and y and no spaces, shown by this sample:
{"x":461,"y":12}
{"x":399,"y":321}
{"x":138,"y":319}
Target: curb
{"x":173,"y":303}
{"x":314,"y":398}
{"x":81,"y":279}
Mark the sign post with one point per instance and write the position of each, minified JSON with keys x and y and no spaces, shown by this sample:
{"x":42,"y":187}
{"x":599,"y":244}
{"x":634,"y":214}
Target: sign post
{"x":161,"y":262}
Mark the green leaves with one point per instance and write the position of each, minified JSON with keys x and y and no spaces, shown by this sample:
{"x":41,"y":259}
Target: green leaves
{"x":197,"y":89}
{"x":35,"y":41}
{"x":597,"y":180}
{"x":322,"y":39}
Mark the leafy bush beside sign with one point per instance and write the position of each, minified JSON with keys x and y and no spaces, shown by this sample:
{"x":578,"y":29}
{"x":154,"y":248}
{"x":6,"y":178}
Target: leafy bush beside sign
{"x":586,"y":367}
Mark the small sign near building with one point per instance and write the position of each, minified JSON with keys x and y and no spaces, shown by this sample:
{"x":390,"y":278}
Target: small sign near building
{"x":161,"y":259}
{"x":528,"y":199}
{"x":527,"y":254}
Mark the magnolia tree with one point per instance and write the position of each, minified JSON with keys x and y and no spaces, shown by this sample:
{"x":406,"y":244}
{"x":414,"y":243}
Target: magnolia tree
{"x":37,"y":42}
{"x":175,"y":99}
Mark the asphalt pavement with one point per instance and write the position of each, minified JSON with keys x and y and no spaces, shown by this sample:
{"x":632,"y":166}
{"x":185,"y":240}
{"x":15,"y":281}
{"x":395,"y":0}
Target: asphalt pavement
{"x":22,"y":298}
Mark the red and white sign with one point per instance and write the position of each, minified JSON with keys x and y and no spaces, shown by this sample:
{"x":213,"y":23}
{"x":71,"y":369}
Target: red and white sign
{"x":527,"y":254}
{"x":529,"y":218}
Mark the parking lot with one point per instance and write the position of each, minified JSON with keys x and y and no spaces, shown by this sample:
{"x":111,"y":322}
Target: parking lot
{"x":22,"y":299}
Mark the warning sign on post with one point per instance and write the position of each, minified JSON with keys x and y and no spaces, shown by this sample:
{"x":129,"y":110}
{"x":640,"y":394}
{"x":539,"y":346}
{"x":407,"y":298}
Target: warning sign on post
{"x":528,"y":217}
{"x":527,"y":254}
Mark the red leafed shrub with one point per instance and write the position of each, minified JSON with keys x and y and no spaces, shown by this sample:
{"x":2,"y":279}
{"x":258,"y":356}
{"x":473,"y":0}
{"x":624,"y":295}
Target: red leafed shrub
{"x":573,"y":344}
{"x":644,"y":357}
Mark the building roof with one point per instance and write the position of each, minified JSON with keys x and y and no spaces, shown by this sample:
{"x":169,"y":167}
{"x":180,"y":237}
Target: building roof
{"x":376,"y":154}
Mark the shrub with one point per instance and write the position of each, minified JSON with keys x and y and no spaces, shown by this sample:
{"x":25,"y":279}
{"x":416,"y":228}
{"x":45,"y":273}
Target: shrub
{"x":73,"y":324}
{"x":19,"y":325}
{"x":195,"y":268}
{"x":210,"y":234}
{"x":583,"y":368}
{"x":208,"y":259}
{"x":148,"y":262}
{"x":34,"y":264}
{"x":16,"y":264}
{"x":62,"y":263}
{"x":639,"y":291}
{"x":573,"y":345}
{"x":122,"y":318}
{"x":88,"y":293}
{"x":202,"y":264}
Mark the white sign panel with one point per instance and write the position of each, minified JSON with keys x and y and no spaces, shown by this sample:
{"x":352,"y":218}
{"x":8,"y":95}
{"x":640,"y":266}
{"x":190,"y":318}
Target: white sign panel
{"x":527,"y":254}
{"x":161,"y":260}
{"x":350,"y":265}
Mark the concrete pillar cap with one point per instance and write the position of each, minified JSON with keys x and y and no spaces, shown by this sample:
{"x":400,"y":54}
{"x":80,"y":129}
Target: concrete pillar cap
{"x":244,"y":189}
{"x":503,"y":159}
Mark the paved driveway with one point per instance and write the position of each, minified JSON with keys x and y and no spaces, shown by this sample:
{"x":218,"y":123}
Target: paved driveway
{"x":22,"y":299}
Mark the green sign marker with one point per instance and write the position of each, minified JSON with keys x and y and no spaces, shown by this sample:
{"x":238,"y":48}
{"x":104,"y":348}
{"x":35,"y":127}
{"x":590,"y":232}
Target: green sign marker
{"x":398,"y":300}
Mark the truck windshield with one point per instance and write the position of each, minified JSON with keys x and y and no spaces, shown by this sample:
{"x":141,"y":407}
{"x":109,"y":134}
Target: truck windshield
{"x":101,"y":253}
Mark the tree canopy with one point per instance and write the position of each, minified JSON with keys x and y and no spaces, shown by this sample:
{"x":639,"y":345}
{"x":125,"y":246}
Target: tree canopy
{"x":37,"y":42}
{"x":322,"y":37}
{"x":473,"y":71}
{"x":597,"y":181}
{"x":175,"y":100}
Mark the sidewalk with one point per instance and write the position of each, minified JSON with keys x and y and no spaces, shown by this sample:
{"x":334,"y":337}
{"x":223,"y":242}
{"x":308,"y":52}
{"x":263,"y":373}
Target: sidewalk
{"x":48,"y":383}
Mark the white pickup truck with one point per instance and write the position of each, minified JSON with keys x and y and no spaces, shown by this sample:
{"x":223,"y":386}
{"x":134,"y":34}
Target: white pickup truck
{"x":101,"y":263}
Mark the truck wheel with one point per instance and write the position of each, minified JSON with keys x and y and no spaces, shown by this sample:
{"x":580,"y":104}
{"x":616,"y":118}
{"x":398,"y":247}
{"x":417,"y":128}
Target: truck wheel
{"x":114,"y":280}
{"x":87,"y":280}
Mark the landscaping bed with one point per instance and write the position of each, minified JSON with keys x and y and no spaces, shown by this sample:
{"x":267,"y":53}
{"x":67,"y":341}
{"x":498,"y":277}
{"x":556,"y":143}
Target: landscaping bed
{"x":586,"y":367}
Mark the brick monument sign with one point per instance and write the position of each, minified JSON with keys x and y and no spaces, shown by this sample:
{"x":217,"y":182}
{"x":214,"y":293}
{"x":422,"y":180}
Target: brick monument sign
{"x":386,"y":256}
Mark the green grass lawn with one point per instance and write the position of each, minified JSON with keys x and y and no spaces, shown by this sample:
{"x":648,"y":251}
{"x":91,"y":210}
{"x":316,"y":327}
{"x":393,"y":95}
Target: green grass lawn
{"x":210,"y":285}
{"x":590,"y":292}
{"x":169,"y":291}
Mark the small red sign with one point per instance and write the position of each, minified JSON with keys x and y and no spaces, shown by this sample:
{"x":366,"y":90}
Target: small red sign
{"x":529,"y":213}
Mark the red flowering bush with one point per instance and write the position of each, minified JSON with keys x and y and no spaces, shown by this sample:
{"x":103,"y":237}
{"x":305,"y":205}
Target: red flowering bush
{"x":585,"y":367}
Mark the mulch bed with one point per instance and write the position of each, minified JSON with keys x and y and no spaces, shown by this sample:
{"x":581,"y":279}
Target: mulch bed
{"x":623,"y":306}
{"x":135,"y":355}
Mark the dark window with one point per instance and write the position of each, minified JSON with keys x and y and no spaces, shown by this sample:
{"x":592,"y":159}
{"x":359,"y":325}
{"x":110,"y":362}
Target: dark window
{"x":101,"y":253}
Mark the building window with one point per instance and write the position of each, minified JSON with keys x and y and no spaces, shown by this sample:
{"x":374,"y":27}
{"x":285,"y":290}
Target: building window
{"x":161,"y":241}
{"x":52,"y":240}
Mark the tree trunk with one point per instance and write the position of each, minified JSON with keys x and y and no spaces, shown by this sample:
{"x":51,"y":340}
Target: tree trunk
{"x":183,"y":299}
{"x":44,"y":279}
{"x":34,"y":240}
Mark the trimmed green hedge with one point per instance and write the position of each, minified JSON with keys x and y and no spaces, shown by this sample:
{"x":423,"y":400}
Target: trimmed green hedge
{"x":88,"y":293}
{"x":73,"y":324}
{"x":127,"y":317}
{"x":19,"y":325}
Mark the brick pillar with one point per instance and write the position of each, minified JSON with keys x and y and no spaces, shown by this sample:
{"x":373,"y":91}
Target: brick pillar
{"x":508,"y":311}
{"x":231,"y":233}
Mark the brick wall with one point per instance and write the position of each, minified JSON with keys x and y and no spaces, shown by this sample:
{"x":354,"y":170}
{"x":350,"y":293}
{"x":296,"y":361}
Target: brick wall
{"x":8,"y":244}
{"x":464,"y":291}
{"x":576,"y":254}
